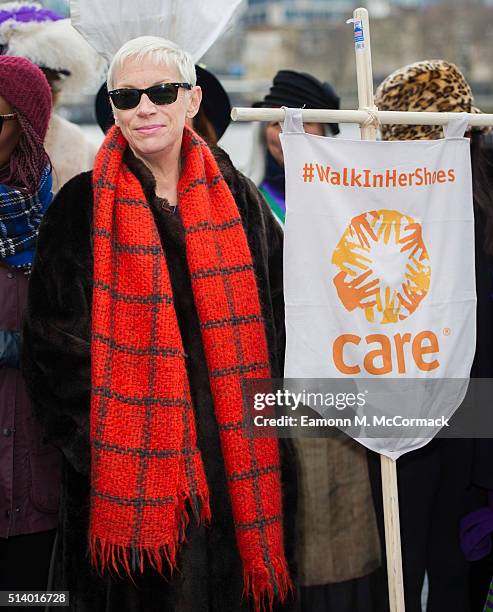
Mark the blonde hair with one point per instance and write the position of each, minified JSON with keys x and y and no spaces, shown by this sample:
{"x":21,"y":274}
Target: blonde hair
{"x":160,"y":50}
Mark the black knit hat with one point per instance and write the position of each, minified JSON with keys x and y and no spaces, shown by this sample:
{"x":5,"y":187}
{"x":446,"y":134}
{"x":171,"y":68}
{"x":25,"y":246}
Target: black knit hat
{"x":300,"y":90}
{"x":215,"y":103}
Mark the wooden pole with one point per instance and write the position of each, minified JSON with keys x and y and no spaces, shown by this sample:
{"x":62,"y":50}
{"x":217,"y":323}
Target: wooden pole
{"x":392,"y":533}
{"x":364,"y":75}
{"x":359,"y":116}
{"x":364,"y":72}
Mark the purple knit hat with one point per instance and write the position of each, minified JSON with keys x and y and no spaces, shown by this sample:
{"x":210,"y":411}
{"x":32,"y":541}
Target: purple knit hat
{"x":26,"y":89}
{"x":27,"y":13}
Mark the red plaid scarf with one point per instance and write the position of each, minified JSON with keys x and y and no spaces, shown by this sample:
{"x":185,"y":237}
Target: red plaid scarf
{"x":146,"y":467}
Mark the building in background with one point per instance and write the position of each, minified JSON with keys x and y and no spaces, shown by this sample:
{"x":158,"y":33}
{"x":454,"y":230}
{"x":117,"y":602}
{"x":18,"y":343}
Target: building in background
{"x":295,"y":12}
{"x":312,"y":36}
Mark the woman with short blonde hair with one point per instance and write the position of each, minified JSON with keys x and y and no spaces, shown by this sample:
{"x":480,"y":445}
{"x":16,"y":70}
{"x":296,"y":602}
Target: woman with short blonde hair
{"x":168,"y":295}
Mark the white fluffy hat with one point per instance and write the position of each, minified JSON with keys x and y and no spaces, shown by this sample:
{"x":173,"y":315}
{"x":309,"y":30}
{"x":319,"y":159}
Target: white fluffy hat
{"x":52,"y":44}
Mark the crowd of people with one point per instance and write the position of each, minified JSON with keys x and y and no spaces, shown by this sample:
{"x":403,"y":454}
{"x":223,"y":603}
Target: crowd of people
{"x":139,"y":285}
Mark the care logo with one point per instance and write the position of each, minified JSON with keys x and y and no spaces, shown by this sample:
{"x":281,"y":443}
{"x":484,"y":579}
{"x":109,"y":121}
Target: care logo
{"x":384,"y":268}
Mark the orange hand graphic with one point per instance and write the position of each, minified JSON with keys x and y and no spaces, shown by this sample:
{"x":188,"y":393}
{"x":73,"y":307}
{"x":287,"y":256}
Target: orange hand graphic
{"x":389,"y":220}
{"x":362,"y":227}
{"x":354,"y":293}
{"x":362,"y":250}
{"x":346,"y":255}
{"x":419,"y":275}
{"x":413,"y":241}
{"x":390,"y":311}
{"x":410,"y":301}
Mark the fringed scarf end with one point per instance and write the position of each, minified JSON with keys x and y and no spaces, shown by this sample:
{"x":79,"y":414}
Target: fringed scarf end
{"x":265,"y":585}
{"x":129,"y":560}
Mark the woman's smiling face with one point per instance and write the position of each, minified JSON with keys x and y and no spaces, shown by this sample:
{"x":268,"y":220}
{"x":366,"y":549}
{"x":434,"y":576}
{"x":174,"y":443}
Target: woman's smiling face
{"x":152,"y":128}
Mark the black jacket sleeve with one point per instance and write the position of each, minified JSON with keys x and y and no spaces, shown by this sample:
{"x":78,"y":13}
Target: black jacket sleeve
{"x":9,"y":348}
{"x":56,"y":337}
{"x":274,"y":245}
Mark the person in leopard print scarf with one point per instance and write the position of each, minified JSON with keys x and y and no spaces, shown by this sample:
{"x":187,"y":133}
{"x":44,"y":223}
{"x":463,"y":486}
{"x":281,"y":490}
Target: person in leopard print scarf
{"x":440,"y":483}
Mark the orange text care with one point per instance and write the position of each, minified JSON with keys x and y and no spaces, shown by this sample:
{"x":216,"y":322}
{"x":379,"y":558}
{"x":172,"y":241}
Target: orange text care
{"x":385,"y":354}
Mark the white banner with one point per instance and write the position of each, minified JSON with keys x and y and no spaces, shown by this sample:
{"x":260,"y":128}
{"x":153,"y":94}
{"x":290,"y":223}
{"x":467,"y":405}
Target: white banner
{"x":193,"y":25}
{"x":379,"y":266}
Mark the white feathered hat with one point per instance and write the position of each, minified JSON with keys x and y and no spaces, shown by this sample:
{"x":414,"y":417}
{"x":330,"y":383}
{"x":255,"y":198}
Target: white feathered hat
{"x":52,"y":44}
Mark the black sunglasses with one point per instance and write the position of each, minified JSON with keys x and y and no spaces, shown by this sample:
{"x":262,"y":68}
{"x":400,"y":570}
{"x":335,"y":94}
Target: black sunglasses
{"x":6,"y":117}
{"x":165,"y":93}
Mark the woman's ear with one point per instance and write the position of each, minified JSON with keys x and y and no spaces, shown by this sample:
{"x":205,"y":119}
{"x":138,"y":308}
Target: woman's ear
{"x":194,"y":101}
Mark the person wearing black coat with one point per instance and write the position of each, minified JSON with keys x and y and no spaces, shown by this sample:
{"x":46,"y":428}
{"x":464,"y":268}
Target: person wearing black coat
{"x":57,"y":370}
{"x":442,"y":482}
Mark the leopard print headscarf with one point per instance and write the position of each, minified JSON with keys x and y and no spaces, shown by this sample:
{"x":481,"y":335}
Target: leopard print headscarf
{"x":430,"y":85}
